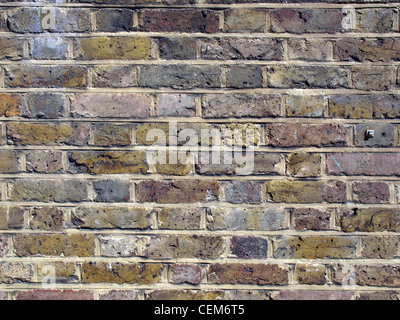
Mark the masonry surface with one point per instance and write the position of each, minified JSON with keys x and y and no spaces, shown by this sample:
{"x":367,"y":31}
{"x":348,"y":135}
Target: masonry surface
{"x":317,"y":218}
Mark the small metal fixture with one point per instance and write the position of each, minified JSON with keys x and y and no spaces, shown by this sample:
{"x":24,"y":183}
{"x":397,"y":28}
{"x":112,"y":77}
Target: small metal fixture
{"x":369,"y":134}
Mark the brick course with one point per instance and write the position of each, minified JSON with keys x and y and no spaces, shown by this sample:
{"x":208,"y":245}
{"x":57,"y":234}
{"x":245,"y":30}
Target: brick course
{"x":88,"y":88}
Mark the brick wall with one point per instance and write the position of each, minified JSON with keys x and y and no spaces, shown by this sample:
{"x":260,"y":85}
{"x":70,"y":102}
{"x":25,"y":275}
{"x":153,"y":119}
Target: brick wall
{"x":86,"y":214}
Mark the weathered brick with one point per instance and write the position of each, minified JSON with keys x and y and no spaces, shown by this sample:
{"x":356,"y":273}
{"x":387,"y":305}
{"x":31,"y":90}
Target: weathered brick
{"x":371,"y":192}
{"x":243,"y":192}
{"x":174,"y":20}
{"x":179,"y":191}
{"x":47,"y":218}
{"x":43,"y":294}
{"x":185,"y":273}
{"x":295,"y":135}
{"x":335,"y":192}
{"x":118,"y":246}
{"x":105,"y":48}
{"x":179,"y":218}
{"x":11,"y":49}
{"x":312,"y":295}
{"x":307,"y":273}
{"x":303,"y":165}
{"x":249,"y":295}
{"x":245,"y":20}
{"x":307,"y":77}
{"x":311,"y":219}
{"x":376,"y":296}
{"x":10,"y":104}
{"x":108,"y":162}
{"x":114,"y":20}
{"x":4,"y":246}
{"x":237,"y":273}
{"x":178,"y":48}
{"x":364,"y":106}
{"x":119,"y":273}
{"x":306,"y":21}
{"x":249,"y":247}
{"x":71,"y":20}
{"x":292,"y":192}
{"x":176,"y":105}
{"x":373,"y":77}
{"x":260,"y":219}
{"x":14,"y":272}
{"x":44,"y":105}
{"x":24,"y":133}
{"x":112,"y":190}
{"x":50,"y":48}
{"x":3,"y":217}
{"x":308,"y":49}
{"x":183,"y":246}
{"x":120,"y":295}
{"x":180,"y":168}
{"x":41,"y":76}
{"x":369,"y":164}
{"x":304,"y":106}
{"x":379,"y":247}
{"x":10,"y":161}
{"x":240,"y":105}
{"x":65,"y":272}
{"x":379,"y":20}
{"x":68,"y":245}
{"x":103,"y":217}
{"x":24,"y":20}
{"x":44,"y":161}
{"x":361,"y":50}
{"x":233,"y":48}
{"x":383,"y":135}
{"x":315,"y":247}
{"x":16,"y":219}
{"x":109,"y":134}
{"x":185,"y":295}
{"x":45,"y":190}
{"x":107,"y":105}
{"x":240,"y":77}
{"x":113,"y":76}
{"x":369,"y":220}
{"x":267,"y":163}
{"x":370,"y":275}
{"x":179,"y":76}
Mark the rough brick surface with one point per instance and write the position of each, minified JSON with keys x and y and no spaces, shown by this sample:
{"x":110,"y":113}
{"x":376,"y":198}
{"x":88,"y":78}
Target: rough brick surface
{"x":199,"y":150}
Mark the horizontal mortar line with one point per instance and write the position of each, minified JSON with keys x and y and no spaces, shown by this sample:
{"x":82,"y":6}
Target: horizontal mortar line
{"x":293,"y":261}
{"x":204,"y":232}
{"x":207,"y":287}
{"x":199,"y":62}
{"x":160,"y":177}
{"x":265,"y":149}
{"x":147,"y":90}
{"x":207,"y":35}
{"x":303,"y":5}
{"x":151,"y":205}
{"x":184,"y":120}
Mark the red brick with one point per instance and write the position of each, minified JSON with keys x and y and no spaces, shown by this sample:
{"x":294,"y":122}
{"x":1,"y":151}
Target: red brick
{"x":237,"y":273}
{"x":304,"y":135}
{"x":371,"y":192}
{"x":206,"y":21}
{"x":177,"y":191}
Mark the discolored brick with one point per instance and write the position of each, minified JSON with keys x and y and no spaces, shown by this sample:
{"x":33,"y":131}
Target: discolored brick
{"x":69,"y":245}
{"x":105,"y":48}
{"x":235,"y":273}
